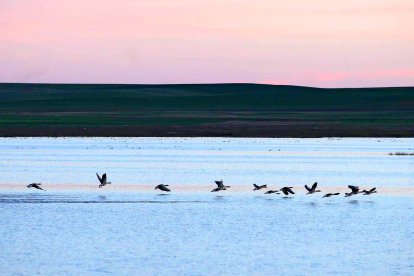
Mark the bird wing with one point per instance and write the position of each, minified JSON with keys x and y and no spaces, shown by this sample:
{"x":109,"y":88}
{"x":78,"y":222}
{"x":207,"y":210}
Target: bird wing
{"x":290,"y":190}
{"x":100,"y":179}
{"x":285,"y":191}
{"x":353,"y":188}
{"x":256,"y":186}
{"x":314,"y":185}
{"x":307,"y":188}
{"x":373,"y":189}
{"x":104,"y":177}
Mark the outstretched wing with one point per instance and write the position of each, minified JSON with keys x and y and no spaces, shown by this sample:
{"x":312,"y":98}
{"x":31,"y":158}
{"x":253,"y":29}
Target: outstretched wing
{"x":314,"y":185}
{"x":104,"y":177}
{"x":100,"y":179}
{"x":290,"y":190}
{"x":256,"y":186}
{"x":353,"y":188}
{"x":373,"y":189}
{"x":307,"y":188}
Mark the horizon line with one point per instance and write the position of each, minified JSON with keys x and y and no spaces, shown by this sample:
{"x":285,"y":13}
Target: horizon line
{"x":207,"y":83}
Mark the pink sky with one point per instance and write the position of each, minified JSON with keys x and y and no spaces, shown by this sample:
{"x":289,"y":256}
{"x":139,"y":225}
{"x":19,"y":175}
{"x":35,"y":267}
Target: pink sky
{"x":326,"y":43}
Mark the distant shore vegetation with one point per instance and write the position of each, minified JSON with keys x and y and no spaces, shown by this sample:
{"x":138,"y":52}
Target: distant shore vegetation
{"x":204,"y":110}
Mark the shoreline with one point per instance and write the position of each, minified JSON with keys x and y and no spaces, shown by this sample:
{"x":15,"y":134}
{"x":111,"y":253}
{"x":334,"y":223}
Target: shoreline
{"x":234,"y":129}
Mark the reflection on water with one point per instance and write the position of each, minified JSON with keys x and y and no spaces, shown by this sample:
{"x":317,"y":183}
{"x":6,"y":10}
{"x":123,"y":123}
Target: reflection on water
{"x":312,"y":204}
{"x":203,"y":233}
{"x":354,"y":201}
{"x":53,"y":198}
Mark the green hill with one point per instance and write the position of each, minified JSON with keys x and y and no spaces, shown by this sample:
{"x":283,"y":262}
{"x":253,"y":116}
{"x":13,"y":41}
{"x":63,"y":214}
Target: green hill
{"x":243,"y":110}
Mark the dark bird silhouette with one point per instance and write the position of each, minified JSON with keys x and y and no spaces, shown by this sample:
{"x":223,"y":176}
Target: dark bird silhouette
{"x":331,"y":194}
{"x":220,"y":186}
{"x":354,"y":190}
{"x":287,"y":190}
{"x":313,"y":189}
{"x":372,"y":191}
{"x":102,"y":180}
{"x":163,"y":187}
{"x":257,"y":187}
{"x":272,"y":192}
{"x":35,"y":185}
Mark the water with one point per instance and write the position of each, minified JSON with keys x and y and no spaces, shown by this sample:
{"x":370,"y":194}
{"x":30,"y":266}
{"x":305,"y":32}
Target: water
{"x":202,"y":233}
{"x":201,"y":160}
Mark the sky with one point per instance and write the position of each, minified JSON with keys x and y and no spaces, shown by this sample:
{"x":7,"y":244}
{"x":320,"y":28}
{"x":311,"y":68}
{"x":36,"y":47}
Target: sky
{"x":323,"y":43}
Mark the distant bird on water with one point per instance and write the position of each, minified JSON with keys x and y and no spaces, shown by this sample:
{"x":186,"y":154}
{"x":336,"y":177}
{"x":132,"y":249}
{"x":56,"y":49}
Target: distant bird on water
{"x":220,"y":186}
{"x":372,"y":191}
{"x":272,"y":192}
{"x":163,"y":187}
{"x":257,"y":187}
{"x":102,"y":180}
{"x":313,"y":189}
{"x":287,"y":190}
{"x":35,"y":185}
{"x":331,"y":194}
{"x":354,"y":191}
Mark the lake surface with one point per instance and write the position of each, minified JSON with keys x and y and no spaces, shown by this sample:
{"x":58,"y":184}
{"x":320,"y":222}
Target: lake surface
{"x":203,"y":233}
{"x":201,"y":160}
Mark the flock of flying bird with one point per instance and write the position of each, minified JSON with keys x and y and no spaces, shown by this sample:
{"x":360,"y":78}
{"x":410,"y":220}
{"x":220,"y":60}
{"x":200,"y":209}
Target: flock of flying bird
{"x":221,"y":187}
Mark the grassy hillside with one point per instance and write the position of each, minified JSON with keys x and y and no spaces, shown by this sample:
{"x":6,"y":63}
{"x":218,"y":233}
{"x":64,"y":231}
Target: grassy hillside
{"x":204,"y":110}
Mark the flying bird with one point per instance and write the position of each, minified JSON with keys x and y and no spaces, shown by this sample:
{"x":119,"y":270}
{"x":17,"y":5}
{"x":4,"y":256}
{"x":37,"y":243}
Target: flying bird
{"x":331,"y":194}
{"x":354,"y":190}
{"x":257,"y":187}
{"x":220,"y":186}
{"x":102,"y":180}
{"x":372,"y":191}
{"x":287,"y":190}
{"x":35,"y":185}
{"x":163,"y":187}
{"x":272,"y":192}
{"x":313,"y":189}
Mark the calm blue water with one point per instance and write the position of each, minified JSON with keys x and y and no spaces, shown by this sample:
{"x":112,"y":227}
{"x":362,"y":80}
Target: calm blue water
{"x":102,"y":233}
{"x":332,"y":162}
